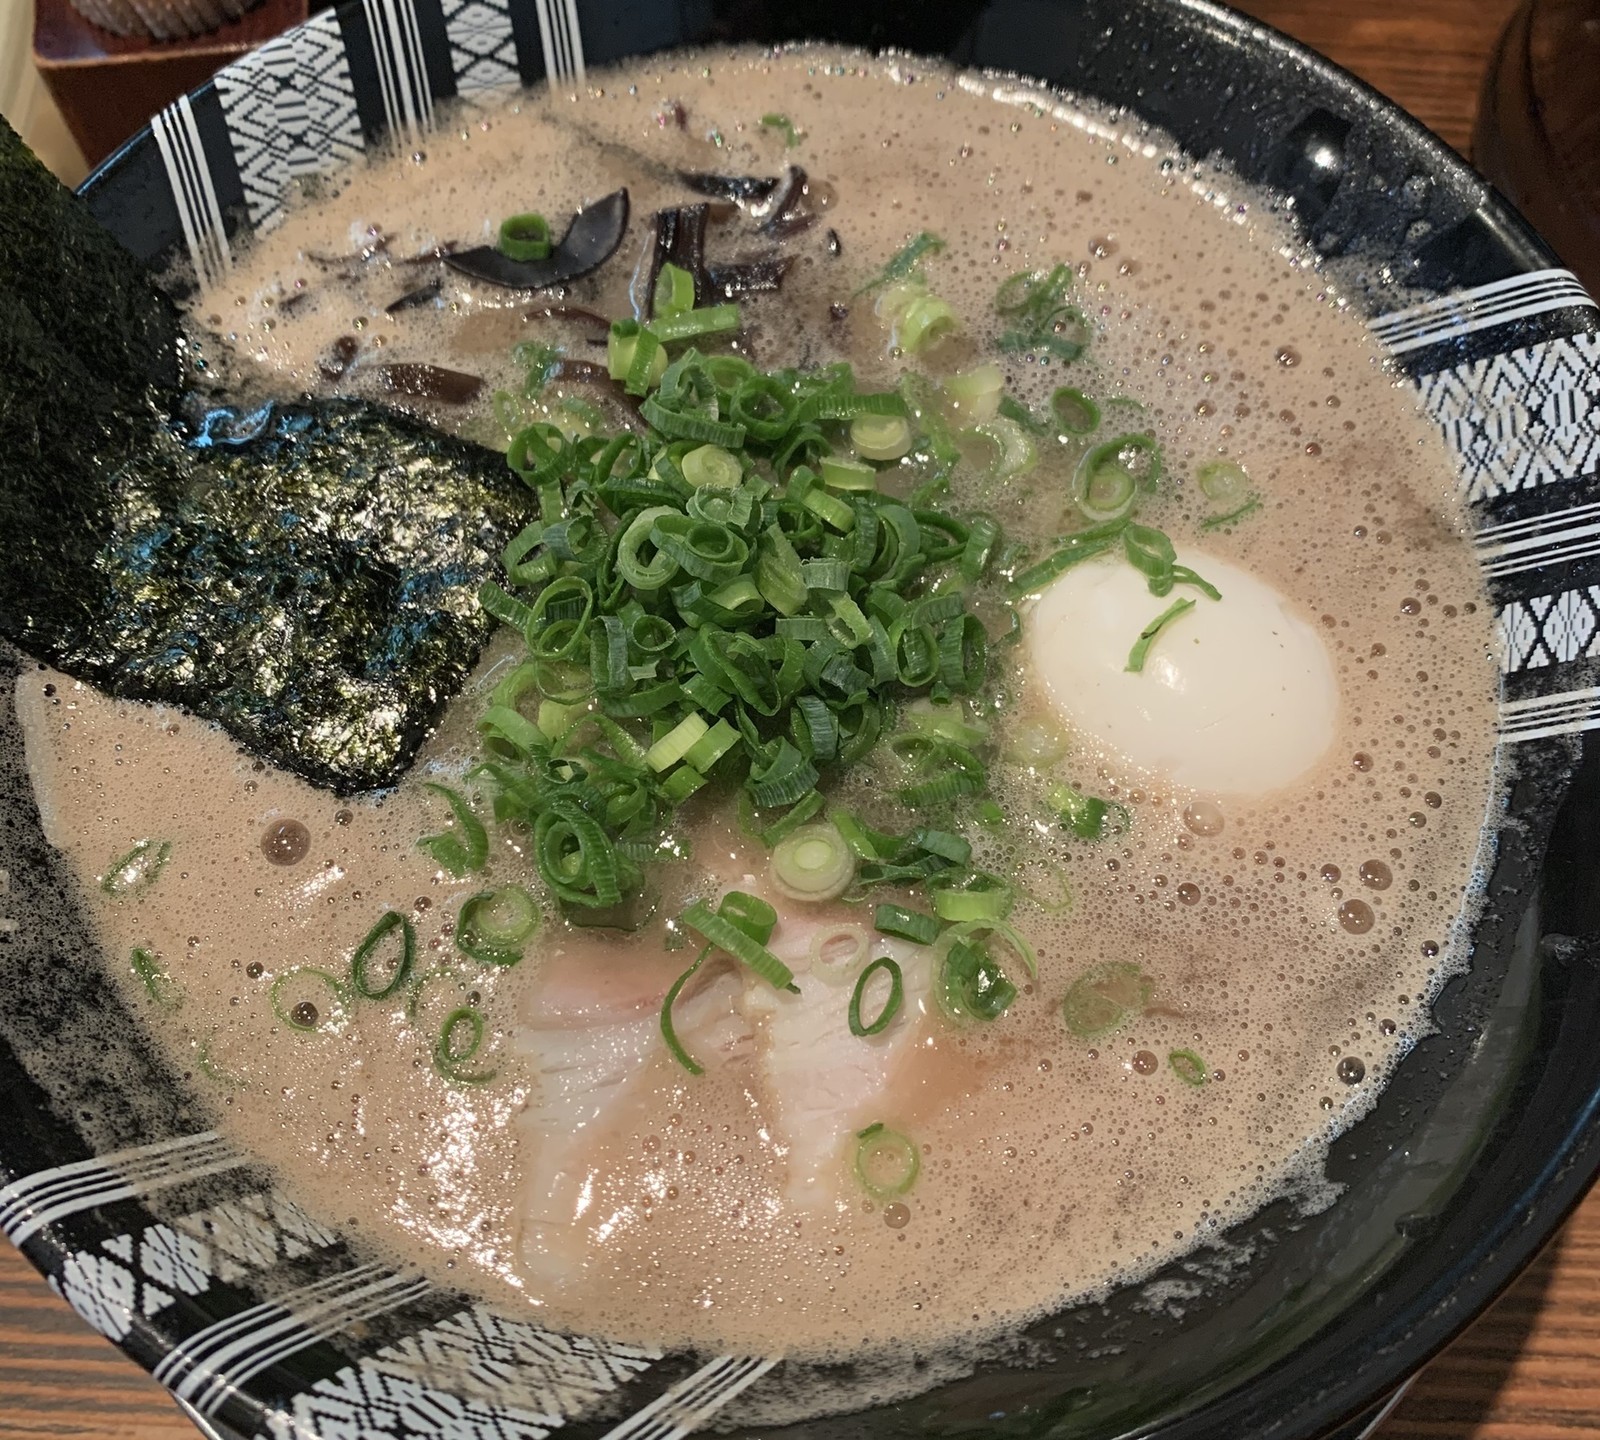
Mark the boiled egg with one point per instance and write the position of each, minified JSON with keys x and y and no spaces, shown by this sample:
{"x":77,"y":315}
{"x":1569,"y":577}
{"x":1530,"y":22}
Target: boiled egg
{"x":1236,"y":696}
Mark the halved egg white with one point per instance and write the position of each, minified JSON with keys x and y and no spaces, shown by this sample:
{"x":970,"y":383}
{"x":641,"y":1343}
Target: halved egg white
{"x":1236,"y":697}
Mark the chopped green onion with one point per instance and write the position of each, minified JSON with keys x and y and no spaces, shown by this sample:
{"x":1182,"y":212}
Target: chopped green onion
{"x":836,"y":952}
{"x":970,"y":895}
{"x":465,"y":849}
{"x":1183,"y":575}
{"x":905,"y":261}
{"x":1085,"y":545}
{"x":840,"y":474}
{"x":1036,"y":744}
{"x":1087,"y":816}
{"x":712,"y":465}
{"x":974,"y":395}
{"x":362,"y":982}
{"x":813,"y":863}
{"x":160,"y":986}
{"x":881,"y":437}
{"x":493,"y":926}
{"x":1109,"y":478}
{"x":1224,"y":482}
{"x":1014,"y":452}
{"x":712,"y":746}
{"x":674,"y":292}
{"x":308,"y":999}
{"x":905,"y":924}
{"x":750,"y":914}
{"x":891,"y":1006}
{"x":887,"y":1163}
{"x":1216,"y":522}
{"x":946,"y":723}
{"x":1075,"y":412}
{"x":916,"y":318}
{"x":668,"y":1032}
{"x":677,"y":742}
{"x":972,"y":983}
{"x":718,"y":931}
{"x":460,"y":1038}
{"x":1188,"y":1067}
{"x":692,"y":324}
{"x":525,"y":237}
{"x":138,"y":869}
{"x":791,"y":136}
{"x":207,"y":1065}
{"x":1147,"y":636}
{"x":622,"y":350}
{"x":1106,"y":998}
{"x":1043,"y":320}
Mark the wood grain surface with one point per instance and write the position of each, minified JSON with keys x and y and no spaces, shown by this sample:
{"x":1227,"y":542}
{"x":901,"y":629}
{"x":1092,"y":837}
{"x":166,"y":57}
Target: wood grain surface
{"x":1529,"y":1369}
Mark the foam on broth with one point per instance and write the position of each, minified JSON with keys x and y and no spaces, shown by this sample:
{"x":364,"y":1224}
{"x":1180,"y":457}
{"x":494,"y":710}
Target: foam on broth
{"x":1052,"y":1168}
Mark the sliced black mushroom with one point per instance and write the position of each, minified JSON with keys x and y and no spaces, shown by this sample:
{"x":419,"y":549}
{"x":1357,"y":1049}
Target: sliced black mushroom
{"x":414,"y":299}
{"x":590,"y":240}
{"x":786,"y":211}
{"x":747,"y":277}
{"x":743,"y":190}
{"x":430,"y":382}
{"x":680,"y":239}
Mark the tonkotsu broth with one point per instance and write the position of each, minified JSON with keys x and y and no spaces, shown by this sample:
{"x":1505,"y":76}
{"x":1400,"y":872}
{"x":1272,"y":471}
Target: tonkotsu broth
{"x":1052,"y":1167}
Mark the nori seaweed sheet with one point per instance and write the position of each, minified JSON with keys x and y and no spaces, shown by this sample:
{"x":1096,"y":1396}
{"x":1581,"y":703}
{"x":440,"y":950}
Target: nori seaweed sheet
{"x":305,"y":574}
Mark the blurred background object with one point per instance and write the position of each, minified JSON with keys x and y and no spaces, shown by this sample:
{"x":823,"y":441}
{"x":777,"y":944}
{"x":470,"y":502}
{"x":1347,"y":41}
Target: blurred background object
{"x":161,"y":19}
{"x":75,"y":91}
{"x":1538,"y":132}
{"x":25,"y":101}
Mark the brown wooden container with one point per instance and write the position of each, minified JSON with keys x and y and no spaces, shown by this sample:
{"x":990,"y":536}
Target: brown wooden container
{"x":108,"y":86}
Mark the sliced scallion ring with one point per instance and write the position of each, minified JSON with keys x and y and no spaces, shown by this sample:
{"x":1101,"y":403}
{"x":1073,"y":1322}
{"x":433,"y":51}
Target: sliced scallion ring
{"x":1106,"y":998}
{"x":1188,"y":1067}
{"x":459,"y":1040}
{"x":1224,"y":483}
{"x":711,"y":465}
{"x":493,"y":926}
{"x":887,"y":1163}
{"x":674,"y":292}
{"x":1108,"y":479}
{"x":813,"y":863}
{"x":881,"y":437}
{"x":1012,"y":448}
{"x":525,"y":237}
{"x":310,"y":1001}
{"x":160,"y":986}
{"x":463,"y":849}
{"x":837,"y":952}
{"x":972,"y":895}
{"x":668,"y":1032}
{"x":366,"y":971}
{"x":138,"y":869}
{"x":892,"y":1002}
{"x":974,"y":395}
{"x":1075,"y":412}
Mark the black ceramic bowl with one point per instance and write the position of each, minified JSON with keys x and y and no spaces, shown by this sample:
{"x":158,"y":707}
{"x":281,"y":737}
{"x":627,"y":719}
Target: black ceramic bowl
{"x":1301,"y":1325}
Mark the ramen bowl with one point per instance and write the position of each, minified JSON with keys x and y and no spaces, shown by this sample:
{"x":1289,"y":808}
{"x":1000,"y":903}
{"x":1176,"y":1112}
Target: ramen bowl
{"x":180,"y":1249}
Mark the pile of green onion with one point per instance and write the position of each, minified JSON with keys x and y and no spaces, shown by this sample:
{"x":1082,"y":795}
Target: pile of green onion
{"x":754,"y":589}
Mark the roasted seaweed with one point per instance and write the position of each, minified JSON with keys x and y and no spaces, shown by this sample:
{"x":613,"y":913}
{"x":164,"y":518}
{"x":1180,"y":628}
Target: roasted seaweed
{"x":305,"y":574}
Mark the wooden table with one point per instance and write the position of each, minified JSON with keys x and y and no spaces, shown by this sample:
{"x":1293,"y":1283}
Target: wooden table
{"x":1527,"y":1370}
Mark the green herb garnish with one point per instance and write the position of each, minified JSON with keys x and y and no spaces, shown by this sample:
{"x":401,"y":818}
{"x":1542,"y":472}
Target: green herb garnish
{"x":891,"y":1005}
{"x":904,"y":261}
{"x":1147,"y":636}
{"x":782,"y":123}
